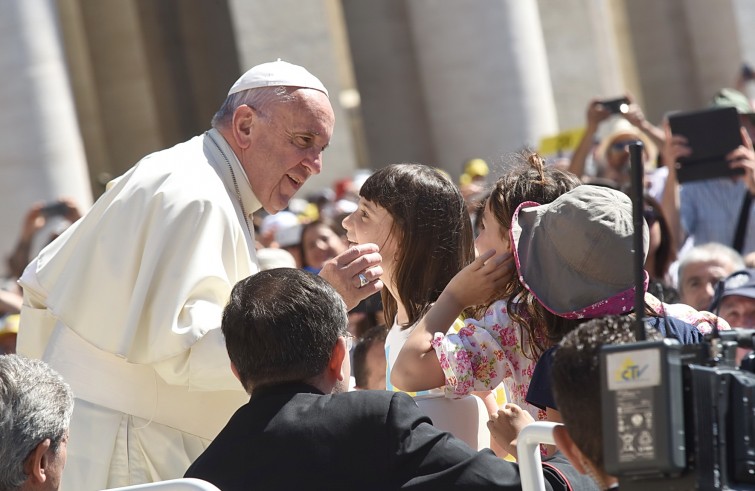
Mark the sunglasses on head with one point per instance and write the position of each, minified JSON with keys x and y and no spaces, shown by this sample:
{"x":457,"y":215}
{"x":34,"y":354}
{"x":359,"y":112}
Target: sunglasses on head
{"x":620,"y":146}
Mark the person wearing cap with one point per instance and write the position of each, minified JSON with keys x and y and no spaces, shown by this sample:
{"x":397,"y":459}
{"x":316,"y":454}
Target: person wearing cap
{"x":620,"y":130}
{"x":126,"y":304}
{"x":711,"y":210}
{"x":283,"y":230}
{"x":737,"y":302}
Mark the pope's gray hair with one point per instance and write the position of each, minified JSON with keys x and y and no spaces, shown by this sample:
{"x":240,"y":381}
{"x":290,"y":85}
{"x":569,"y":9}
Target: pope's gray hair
{"x":259,"y":99}
{"x":35,"y":404}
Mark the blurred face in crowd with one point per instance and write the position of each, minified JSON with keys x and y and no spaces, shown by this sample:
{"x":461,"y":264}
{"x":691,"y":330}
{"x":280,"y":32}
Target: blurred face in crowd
{"x":319,"y":244}
{"x":7,"y":343}
{"x":617,"y":154}
{"x":492,"y":235}
{"x":372,"y":223}
{"x":698,"y":282}
{"x":286,"y":146}
{"x":738,"y":311}
{"x":375,"y":361}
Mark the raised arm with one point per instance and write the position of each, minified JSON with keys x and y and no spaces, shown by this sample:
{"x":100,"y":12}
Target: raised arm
{"x":595,"y":114}
{"x":635,"y":116}
{"x":674,"y":147}
{"x":417,"y":366}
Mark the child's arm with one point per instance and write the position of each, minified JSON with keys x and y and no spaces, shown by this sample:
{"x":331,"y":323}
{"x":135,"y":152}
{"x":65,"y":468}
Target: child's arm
{"x":505,"y":426}
{"x":417,"y":367}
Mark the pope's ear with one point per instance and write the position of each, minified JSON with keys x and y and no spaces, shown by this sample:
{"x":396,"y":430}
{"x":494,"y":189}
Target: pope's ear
{"x":242,"y":123}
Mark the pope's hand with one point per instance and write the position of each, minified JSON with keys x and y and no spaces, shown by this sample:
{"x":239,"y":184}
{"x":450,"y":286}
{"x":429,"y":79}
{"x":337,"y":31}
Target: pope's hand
{"x":355,"y":273}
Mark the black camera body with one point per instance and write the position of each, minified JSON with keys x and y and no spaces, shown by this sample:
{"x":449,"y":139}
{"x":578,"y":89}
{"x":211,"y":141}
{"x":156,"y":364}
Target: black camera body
{"x":619,"y":105}
{"x":702,"y":413}
{"x":56,"y":208}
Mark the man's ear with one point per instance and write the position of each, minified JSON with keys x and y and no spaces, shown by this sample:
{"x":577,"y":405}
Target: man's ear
{"x":244,"y":118}
{"x":35,"y":465}
{"x":235,"y":372}
{"x":569,"y":448}
{"x":335,"y":365}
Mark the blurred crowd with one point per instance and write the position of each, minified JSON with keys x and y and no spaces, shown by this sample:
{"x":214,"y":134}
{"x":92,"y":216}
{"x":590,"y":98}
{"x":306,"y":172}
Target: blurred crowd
{"x":452,"y":314}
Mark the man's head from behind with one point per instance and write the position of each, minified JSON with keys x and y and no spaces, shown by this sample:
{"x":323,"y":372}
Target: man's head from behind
{"x":286,"y":325}
{"x":576,"y":386}
{"x":35,"y":412}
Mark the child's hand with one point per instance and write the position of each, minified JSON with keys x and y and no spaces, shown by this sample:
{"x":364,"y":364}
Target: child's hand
{"x":505,"y":426}
{"x":479,"y":282}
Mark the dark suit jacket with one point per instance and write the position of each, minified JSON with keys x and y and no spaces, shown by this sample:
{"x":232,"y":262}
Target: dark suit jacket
{"x":292,"y":437}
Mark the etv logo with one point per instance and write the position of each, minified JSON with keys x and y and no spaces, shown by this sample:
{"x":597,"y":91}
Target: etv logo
{"x":630,"y":371}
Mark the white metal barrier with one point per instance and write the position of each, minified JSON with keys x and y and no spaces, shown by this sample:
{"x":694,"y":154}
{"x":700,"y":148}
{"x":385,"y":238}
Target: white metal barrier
{"x":528,"y":447}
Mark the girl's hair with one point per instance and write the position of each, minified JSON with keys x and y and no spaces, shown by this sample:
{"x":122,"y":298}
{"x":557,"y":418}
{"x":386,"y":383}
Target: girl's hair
{"x":666,"y":252}
{"x":432,"y":230}
{"x":529,"y":180}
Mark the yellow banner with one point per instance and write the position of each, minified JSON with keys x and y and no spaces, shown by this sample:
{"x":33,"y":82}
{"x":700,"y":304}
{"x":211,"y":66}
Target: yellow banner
{"x":561,"y":145}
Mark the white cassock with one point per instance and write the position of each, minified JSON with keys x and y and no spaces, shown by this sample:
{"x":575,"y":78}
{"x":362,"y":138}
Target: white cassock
{"x":126,"y":305}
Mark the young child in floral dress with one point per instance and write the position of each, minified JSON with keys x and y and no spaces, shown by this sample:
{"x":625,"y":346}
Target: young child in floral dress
{"x":497,"y":346}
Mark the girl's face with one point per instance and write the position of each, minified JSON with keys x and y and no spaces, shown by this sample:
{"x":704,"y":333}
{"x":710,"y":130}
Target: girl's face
{"x":319,"y":244}
{"x":372,"y":223}
{"x":492,"y":234}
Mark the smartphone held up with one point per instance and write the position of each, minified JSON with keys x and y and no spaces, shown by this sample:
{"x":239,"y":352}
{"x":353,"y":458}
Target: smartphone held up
{"x":619,"y":105}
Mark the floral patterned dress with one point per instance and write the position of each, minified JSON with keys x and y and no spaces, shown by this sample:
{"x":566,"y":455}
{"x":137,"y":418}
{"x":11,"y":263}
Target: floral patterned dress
{"x":395,"y":341}
{"x":486,"y":352}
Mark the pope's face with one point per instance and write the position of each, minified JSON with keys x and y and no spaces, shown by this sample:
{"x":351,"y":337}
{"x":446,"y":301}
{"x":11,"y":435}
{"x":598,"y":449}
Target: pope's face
{"x":286,"y":146}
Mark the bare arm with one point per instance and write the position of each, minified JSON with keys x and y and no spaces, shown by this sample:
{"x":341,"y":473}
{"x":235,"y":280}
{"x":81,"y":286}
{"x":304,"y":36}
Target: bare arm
{"x":743,"y":157}
{"x":417,"y":367}
{"x":505,"y":426}
{"x":635,"y":116}
{"x":674,"y":147}
{"x":33,"y":222}
{"x":595,"y":114}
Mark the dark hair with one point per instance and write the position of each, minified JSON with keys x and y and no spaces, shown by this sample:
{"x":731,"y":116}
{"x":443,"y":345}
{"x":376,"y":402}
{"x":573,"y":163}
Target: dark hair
{"x":575,"y":377}
{"x":432,"y":230}
{"x":281,"y":325}
{"x":375,"y":335}
{"x":479,"y":210}
{"x":666,"y":252}
{"x":529,"y":180}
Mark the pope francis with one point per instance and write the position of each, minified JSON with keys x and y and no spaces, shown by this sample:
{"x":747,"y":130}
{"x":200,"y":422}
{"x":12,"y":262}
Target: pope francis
{"x":126,"y":303}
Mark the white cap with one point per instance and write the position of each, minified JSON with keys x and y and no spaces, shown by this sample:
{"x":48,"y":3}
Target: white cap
{"x":275,"y":258}
{"x":282,"y":219}
{"x":275,"y":74}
